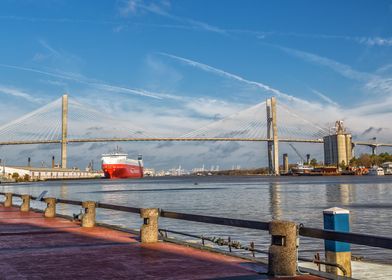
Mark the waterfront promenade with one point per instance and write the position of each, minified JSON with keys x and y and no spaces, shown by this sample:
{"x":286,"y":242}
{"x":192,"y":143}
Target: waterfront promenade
{"x":34,"y":247}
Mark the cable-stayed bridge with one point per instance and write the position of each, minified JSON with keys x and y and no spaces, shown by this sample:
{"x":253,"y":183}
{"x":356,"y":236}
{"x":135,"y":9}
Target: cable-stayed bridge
{"x":63,"y":122}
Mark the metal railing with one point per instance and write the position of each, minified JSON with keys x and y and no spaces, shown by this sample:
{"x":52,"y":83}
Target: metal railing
{"x":348,"y":237}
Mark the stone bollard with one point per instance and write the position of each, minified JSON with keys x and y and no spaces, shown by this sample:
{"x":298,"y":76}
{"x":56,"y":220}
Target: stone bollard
{"x":337,"y":252}
{"x":149,"y":229}
{"x":50,"y":210}
{"x":8,"y":200}
{"x":282,"y":255}
{"x":88,"y":218}
{"x":25,"y":206}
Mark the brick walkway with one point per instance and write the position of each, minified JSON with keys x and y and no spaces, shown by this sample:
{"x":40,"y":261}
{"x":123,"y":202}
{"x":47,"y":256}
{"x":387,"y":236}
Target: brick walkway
{"x":34,"y":247}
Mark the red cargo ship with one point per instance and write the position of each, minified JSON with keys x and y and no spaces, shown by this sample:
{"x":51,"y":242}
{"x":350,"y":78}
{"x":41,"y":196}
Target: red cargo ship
{"x":116,"y":165}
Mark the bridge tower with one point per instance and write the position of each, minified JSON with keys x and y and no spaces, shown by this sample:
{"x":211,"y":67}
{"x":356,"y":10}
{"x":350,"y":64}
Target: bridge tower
{"x":64,"y":126}
{"x":272,"y":135}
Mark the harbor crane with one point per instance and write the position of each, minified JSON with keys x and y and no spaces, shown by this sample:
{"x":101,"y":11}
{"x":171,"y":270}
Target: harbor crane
{"x":297,"y":152}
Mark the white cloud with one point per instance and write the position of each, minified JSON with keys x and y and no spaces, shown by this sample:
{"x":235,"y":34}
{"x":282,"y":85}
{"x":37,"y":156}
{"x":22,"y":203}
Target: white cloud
{"x":372,"y":82}
{"x":131,"y":7}
{"x":363,"y":40}
{"x":384,"y":68}
{"x":375,"y":41}
{"x":212,"y":108}
{"x":128,"y":7}
{"x":19,"y":93}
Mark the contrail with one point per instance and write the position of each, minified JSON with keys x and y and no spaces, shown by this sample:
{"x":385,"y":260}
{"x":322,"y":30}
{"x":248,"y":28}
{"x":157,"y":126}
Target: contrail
{"x":86,"y":81}
{"x":223,"y":73}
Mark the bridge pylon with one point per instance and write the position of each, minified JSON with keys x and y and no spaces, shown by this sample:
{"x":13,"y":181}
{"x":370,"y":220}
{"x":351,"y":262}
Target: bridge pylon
{"x":272,"y":135}
{"x":64,"y":130}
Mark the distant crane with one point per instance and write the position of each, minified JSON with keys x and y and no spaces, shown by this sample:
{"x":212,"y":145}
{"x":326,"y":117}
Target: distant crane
{"x":296,"y":151}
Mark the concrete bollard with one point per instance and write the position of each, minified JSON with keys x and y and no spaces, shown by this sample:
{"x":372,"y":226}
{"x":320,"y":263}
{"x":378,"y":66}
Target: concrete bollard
{"x":25,"y":206}
{"x":337,"y":252}
{"x":50,"y":210}
{"x":8,"y":200}
{"x":282,"y":255}
{"x":88,"y":218}
{"x":149,"y":229}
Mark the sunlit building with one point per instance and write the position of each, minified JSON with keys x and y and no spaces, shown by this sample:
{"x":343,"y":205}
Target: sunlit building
{"x":338,"y":146}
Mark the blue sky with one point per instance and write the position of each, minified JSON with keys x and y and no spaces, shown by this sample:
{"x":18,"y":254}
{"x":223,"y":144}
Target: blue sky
{"x":174,"y":66}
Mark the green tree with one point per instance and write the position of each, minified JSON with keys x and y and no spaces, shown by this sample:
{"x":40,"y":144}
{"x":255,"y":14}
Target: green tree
{"x":365,"y":160}
{"x":353,"y":162}
{"x":15,"y":176}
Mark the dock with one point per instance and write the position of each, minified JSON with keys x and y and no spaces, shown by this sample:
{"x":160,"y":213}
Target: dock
{"x":35,"y":247}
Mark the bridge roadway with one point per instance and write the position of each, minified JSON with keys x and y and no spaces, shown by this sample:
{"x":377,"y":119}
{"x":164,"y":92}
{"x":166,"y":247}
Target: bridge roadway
{"x":153,"y":139}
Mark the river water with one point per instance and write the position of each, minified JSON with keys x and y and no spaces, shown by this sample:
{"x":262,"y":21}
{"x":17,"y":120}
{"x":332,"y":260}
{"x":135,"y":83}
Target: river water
{"x":300,"y":199}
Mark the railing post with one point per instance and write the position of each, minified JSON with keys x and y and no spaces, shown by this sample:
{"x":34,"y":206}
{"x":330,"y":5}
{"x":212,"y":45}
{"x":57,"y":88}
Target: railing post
{"x":149,"y":229}
{"x":8,"y":200}
{"x":25,"y":206}
{"x":335,"y":251}
{"x":282,"y":255}
{"x":50,"y":210}
{"x":88,"y":218}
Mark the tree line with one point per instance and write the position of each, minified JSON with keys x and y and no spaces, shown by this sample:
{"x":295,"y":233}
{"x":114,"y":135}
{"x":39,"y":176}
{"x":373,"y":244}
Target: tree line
{"x":370,"y":160}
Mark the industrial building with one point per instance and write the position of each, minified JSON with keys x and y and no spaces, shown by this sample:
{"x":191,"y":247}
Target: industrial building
{"x":338,"y":146}
{"x":44,"y":173}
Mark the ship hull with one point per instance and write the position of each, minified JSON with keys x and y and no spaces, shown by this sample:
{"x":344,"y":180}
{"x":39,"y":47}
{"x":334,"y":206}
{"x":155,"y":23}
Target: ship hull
{"x":122,"y":171}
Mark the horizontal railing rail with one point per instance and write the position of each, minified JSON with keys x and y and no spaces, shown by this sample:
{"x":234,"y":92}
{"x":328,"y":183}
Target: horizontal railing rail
{"x":215,"y":220}
{"x":67,"y":201}
{"x":348,"y":237}
{"x":118,"y":208}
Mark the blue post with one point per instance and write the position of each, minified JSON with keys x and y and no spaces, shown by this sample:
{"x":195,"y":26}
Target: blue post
{"x":337,"y":219}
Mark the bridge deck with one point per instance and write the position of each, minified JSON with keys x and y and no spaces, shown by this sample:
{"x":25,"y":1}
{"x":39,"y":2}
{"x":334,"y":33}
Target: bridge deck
{"x":34,"y":247}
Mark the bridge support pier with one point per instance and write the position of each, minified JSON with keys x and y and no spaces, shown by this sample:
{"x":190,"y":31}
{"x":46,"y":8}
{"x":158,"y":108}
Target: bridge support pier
{"x":272,"y":135}
{"x":374,"y":149}
{"x":64,"y":126}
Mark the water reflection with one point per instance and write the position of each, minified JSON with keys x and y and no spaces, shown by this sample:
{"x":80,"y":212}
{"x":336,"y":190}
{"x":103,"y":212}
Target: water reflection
{"x":339,"y":194}
{"x":275,"y":201}
{"x":63,"y":191}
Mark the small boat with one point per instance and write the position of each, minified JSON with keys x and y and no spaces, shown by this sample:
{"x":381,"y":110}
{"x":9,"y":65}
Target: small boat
{"x":376,"y":171}
{"x":301,"y":169}
{"x":387,"y":168}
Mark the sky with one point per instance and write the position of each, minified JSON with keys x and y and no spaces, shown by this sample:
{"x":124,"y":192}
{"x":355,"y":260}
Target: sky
{"x":171,"y":67}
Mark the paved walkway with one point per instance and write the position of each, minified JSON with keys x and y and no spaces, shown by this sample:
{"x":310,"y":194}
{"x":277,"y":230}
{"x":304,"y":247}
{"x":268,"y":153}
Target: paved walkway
{"x":363,"y":270}
{"x":34,"y":247}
